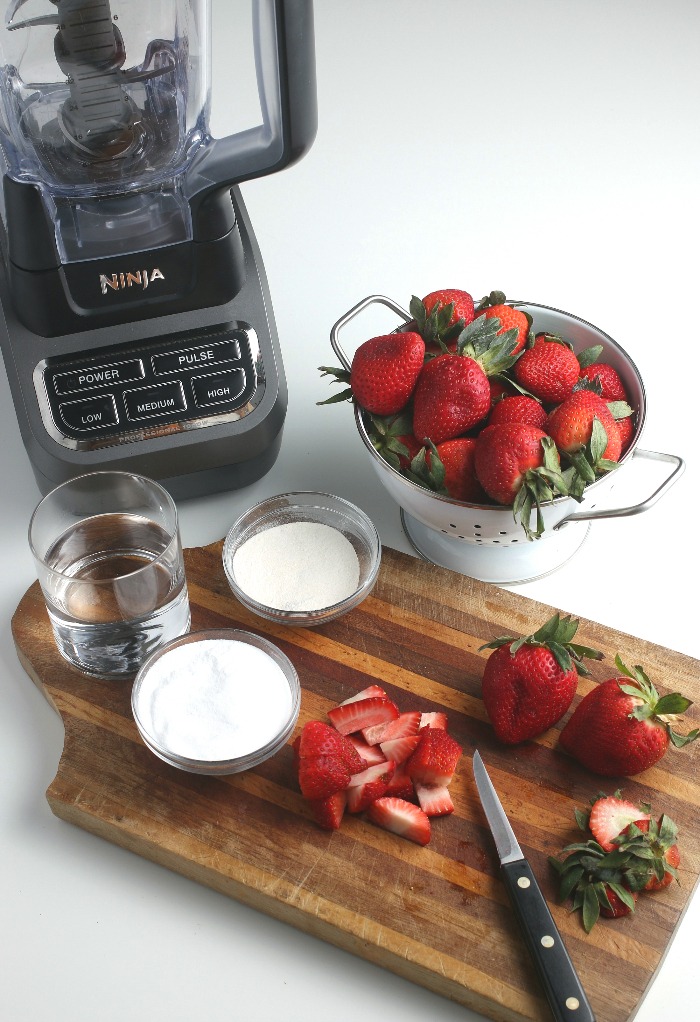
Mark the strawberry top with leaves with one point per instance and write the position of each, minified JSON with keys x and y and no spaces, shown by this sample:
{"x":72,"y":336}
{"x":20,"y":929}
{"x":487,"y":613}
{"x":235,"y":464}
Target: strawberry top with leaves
{"x":448,"y":468}
{"x":623,"y":726}
{"x":441,"y":316}
{"x":585,"y":431}
{"x":494,"y":306}
{"x":383,"y":374}
{"x":529,"y":683}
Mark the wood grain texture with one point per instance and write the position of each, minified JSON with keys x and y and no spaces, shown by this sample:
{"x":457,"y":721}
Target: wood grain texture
{"x":437,"y":915}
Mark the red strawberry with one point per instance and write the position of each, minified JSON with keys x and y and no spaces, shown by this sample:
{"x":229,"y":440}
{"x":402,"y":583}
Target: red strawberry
{"x":529,"y":683}
{"x":548,"y":370}
{"x":401,"y":817}
{"x":322,"y":776}
{"x":620,"y":727}
{"x":361,"y":713}
{"x":366,"y":693}
{"x":494,"y":307}
{"x":461,"y":301}
{"x":626,"y":429}
{"x":328,"y":812}
{"x":319,"y":739}
{"x":435,"y":758}
{"x":499,"y":389}
{"x":399,"y":749}
{"x":613,"y":906}
{"x":369,"y":785}
{"x":610,"y":816}
{"x":519,"y":465}
{"x":441,"y":317}
{"x":519,"y":408}
{"x":452,"y":395}
{"x":370,"y":754}
{"x":401,"y":785}
{"x":458,"y":479}
{"x":585,"y":431}
{"x":405,"y":724}
{"x":383,"y":374}
{"x":611,"y":386}
{"x":433,"y":718}
{"x":434,"y":800}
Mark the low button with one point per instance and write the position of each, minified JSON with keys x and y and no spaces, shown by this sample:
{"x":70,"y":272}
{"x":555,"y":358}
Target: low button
{"x":218,"y":388}
{"x":89,"y":414}
{"x":157,"y":402}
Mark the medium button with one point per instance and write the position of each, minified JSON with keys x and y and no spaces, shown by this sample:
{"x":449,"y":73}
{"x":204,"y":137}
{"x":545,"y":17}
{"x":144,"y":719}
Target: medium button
{"x":194,"y":358}
{"x":98,"y":376}
{"x":218,"y":388}
{"x":157,"y":402}
{"x":89,"y":414}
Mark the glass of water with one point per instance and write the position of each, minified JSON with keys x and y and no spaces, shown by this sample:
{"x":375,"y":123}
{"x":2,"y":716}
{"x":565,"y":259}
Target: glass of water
{"x":109,"y":561}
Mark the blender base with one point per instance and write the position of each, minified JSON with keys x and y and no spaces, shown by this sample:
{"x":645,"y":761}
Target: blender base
{"x":488,"y":562}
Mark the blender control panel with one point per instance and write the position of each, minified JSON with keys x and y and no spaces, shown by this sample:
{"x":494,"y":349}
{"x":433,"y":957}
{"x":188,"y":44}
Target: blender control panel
{"x":125,"y":393}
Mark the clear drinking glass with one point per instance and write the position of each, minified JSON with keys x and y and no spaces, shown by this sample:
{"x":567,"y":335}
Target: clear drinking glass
{"x":109,"y":561}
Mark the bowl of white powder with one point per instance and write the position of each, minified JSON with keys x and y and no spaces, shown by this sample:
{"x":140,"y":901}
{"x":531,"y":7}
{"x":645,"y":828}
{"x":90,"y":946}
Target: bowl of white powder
{"x":217,"y":701}
{"x":302,"y":558}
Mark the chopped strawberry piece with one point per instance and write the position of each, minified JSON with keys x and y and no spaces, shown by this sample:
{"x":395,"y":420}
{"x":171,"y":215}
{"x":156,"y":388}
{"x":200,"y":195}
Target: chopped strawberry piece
{"x":436,"y":718}
{"x":609,"y":817}
{"x":328,"y":812}
{"x":401,"y":817}
{"x":435,"y":759}
{"x":322,"y":776}
{"x":399,"y":727}
{"x":399,"y":749}
{"x":373,"y":735}
{"x":371,"y":754}
{"x":371,"y":785}
{"x":401,"y":785}
{"x":319,"y":739}
{"x":362,"y":713}
{"x":366,"y":693}
{"x":434,"y":800}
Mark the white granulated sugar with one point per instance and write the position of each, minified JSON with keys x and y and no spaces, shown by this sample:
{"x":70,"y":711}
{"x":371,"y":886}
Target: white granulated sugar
{"x":297,"y":566}
{"x":214,"y":699}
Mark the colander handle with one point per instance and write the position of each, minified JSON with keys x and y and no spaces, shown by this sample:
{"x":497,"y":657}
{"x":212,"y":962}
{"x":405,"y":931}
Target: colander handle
{"x":356,"y":309}
{"x":635,"y":509}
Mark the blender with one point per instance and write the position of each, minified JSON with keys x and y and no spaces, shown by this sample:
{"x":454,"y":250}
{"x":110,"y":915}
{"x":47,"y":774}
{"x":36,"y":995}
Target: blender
{"x":138,"y":332}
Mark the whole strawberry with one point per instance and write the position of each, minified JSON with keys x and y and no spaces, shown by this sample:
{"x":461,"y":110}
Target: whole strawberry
{"x":518,"y":408}
{"x":548,"y":370}
{"x":529,"y":683}
{"x":518,"y":465}
{"x":383,"y":374}
{"x":494,"y":306}
{"x":448,"y":468}
{"x":622,"y":726}
{"x":441,"y":316}
{"x":586,"y":432}
{"x":608,"y":379}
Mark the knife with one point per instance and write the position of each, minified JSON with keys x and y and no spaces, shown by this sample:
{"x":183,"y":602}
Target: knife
{"x":562,"y":986}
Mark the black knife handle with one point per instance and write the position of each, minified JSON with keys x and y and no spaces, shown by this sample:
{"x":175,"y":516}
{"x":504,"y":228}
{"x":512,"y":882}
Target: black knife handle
{"x":562,"y":986}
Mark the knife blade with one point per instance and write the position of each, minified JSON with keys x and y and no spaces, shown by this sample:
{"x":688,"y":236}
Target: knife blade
{"x":562,"y":986}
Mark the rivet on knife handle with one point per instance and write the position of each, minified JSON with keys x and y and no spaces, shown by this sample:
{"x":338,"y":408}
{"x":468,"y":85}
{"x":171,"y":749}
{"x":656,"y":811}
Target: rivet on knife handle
{"x":563,"y":989}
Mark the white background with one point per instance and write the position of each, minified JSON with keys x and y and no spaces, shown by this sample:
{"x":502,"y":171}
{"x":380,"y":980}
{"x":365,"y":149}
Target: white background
{"x":549,"y":148}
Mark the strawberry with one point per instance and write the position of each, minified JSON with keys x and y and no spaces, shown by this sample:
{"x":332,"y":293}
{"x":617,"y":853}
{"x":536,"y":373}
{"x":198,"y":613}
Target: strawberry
{"x":401,"y":785}
{"x":401,"y":726}
{"x":494,"y":307}
{"x":365,"y":693}
{"x":441,"y":317}
{"x":529,"y":683}
{"x":598,"y":882}
{"x":392,"y":437}
{"x":500,"y":388}
{"x":548,"y":370}
{"x":614,"y":906}
{"x":626,"y":430}
{"x":368,"y":786}
{"x":322,"y":776}
{"x":433,"y":718}
{"x":401,"y":817}
{"x":611,"y":386}
{"x":610,"y":816}
{"x":519,"y":465}
{"x":585,"y":431}
{"x":361,"y":713}
{"x":621,"y":727}
{"x":399,"y":749}
{"x":383,"y":373}
{"x":662,"y":839}
{"x":434,"y":800}
{"x":449,"y":469}
{"x":369,"y":754}
{"x":328,"y":812}
{"x":319,"y":739}
{"x":453,"y":392}
{"x":435,"y":758}
{"x":519,"y":408}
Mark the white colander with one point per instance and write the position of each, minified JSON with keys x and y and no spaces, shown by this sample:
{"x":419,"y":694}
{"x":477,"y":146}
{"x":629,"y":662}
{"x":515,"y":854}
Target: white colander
{"x":483,"y":541}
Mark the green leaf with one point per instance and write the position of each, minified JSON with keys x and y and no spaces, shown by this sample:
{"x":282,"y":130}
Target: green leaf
{"x":591,"y":909}
{"x":598,"y":441}
{"x":589,"y":356}
{"x":561,"y":655}
{"x":673,"y":703}
{"x":344,"y":395}
{"x":620,"y":409}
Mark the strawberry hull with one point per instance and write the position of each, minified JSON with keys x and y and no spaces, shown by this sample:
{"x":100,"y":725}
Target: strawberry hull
{"x":484,"y":541}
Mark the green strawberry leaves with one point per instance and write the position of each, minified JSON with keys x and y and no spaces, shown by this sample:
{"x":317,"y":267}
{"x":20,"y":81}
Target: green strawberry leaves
{"x":652,"y":706}
{"x":435,"y":326}
{"x":385,"y":436}
{"x":540,"y":486}
{"x":339,"y":376}
{"x":556,"y":635}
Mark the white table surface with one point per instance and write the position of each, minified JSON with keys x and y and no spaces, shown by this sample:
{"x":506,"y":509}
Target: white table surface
{"x":549,"y":149}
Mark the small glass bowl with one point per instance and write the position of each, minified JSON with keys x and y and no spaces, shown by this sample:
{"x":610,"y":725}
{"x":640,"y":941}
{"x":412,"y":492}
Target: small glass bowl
{"x":323,"y":508}
{"x":247,"y":680}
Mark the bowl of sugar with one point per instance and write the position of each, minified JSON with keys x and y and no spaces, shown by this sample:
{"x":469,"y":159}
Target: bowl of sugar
{"x":217,"y":701}
{"x":302,"y":558}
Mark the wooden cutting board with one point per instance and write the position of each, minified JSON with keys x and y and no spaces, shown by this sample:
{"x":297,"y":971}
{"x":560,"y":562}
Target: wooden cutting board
{"x":437,"y":915}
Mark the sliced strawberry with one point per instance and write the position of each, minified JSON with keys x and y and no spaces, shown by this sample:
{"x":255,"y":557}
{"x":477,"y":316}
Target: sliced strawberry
{"x":404,"y":724}
{"x":435,"y":759}
{"x":362,"y":713}
{"x":370,"y":754}
{"x":401,"y":817}
{"x":328,"y":812}
{"x":371,"y":785}
{"x":374,"y":734}
{"x":319,"y":739}
{"x":322,"y":776}
{"x":399,"y":749}
{"x":609,"y":817}
{"x":435,"y":718}
{"x":401,"y":785}
{"x":434,"y":800}
{"x":366,"y":693}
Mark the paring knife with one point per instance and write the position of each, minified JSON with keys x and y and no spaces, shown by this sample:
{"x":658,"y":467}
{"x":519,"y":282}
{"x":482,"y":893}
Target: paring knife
{"x":562,"y":986}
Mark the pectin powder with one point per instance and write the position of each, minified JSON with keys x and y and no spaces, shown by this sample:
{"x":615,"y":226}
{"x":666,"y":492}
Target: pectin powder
{"x":214,"y":699}
{"x":297,"y":566}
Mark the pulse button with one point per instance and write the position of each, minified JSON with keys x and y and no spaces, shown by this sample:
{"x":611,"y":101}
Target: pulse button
{"x":218,"y":388}
{"x":195,"y":357}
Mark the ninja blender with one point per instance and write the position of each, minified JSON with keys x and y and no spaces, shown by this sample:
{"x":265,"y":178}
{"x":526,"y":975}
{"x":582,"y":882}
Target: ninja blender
{"x":138,"y":332}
